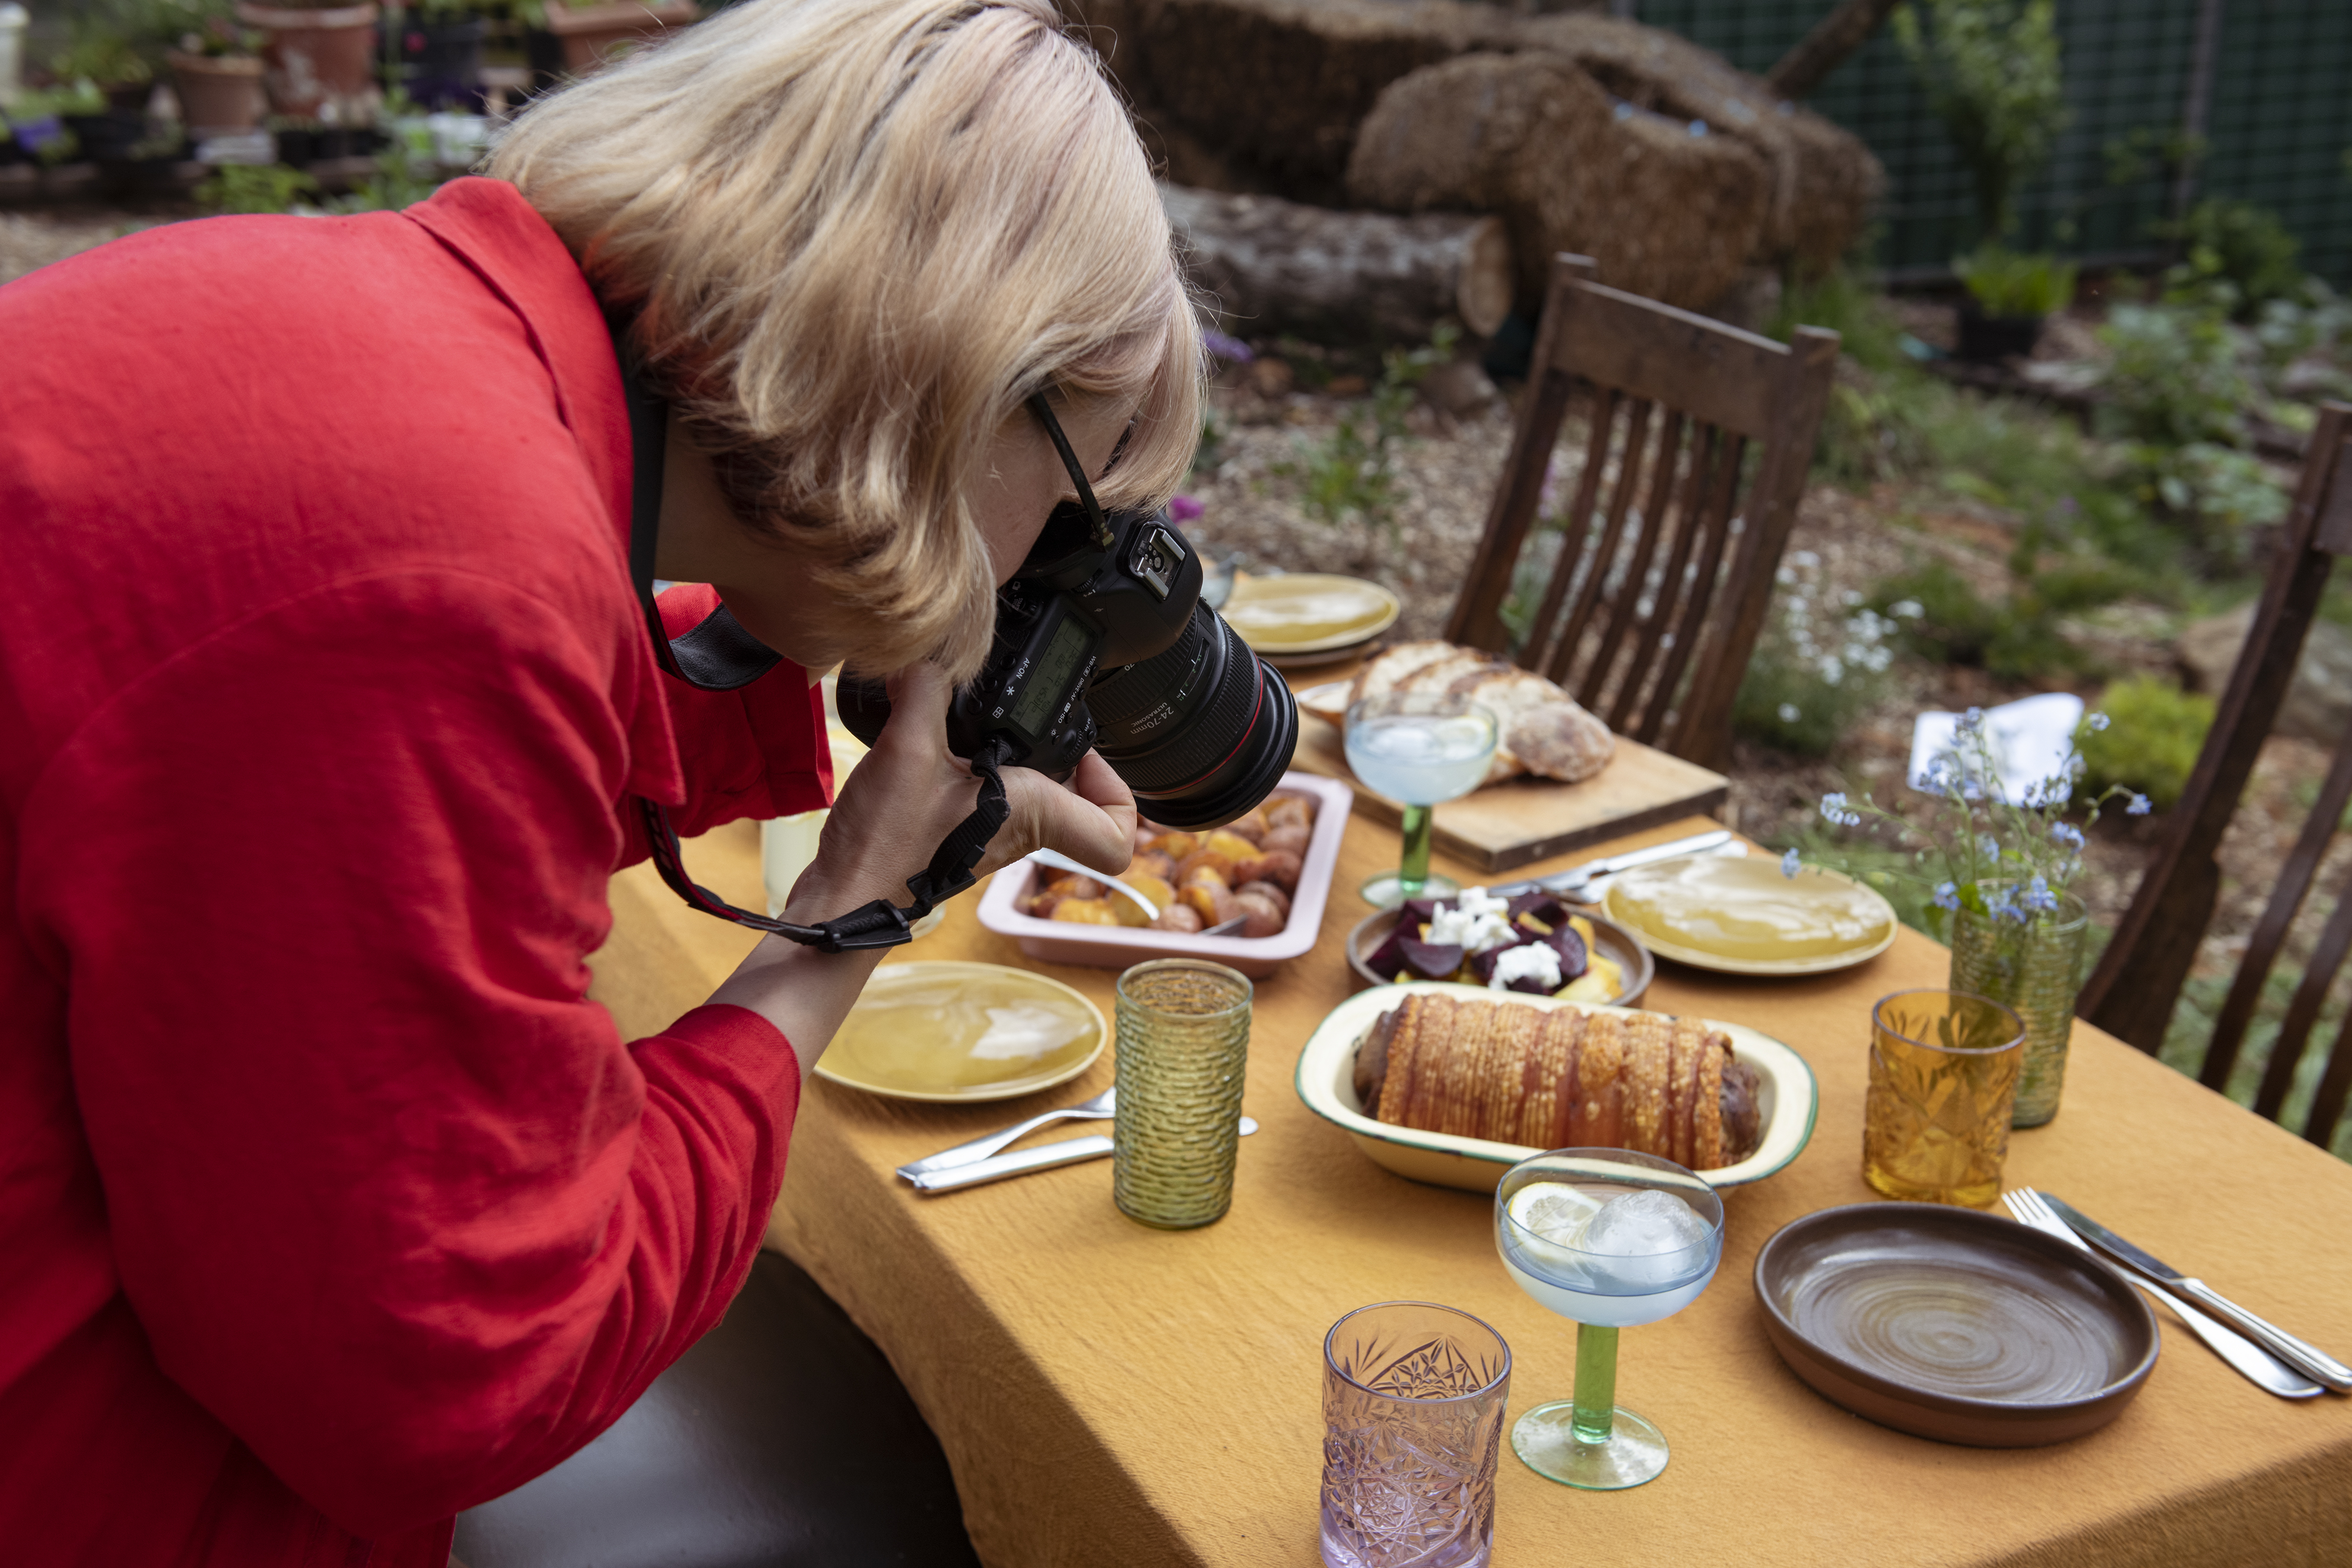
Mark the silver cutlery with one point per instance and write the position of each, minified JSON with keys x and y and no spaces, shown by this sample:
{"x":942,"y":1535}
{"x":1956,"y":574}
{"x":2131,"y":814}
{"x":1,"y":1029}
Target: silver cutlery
{"x":2256,"y":1364}
{"x":1061,"y":862}
{"x":1573,"y":880}
{"x":1095,"y":1109}
{"x":1021,"y":1161}
{"x":2308,"y":1359}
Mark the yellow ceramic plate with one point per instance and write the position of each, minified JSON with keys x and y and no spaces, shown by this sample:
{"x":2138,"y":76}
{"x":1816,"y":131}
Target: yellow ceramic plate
{"x":1309,"y":612}
{"x":1743,"y":916}
{"x":963,"y":1032}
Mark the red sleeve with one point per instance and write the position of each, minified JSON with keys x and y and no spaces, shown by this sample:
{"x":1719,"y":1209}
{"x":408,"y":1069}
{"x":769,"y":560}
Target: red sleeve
{"x":759,"y":750}
{"x":390,"y":1196}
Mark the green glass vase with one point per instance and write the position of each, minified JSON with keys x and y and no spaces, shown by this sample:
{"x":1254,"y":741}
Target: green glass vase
{"x":2034,"y":969}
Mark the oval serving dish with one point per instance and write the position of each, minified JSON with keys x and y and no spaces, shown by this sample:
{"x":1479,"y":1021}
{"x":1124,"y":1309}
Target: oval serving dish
{"x":1115,"y":947}
{"x":1955,"y":1325}
{"x":1614,"y":941}
{"x":1786,"y":1097}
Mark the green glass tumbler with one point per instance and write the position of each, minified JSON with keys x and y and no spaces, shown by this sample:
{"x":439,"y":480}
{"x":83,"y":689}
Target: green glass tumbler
{"x":2034,"y":969}
{"x":1184,"y":1055}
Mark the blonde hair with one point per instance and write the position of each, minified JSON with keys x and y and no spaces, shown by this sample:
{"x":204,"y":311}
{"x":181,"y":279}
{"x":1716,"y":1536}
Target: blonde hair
{"x":858,"y":234}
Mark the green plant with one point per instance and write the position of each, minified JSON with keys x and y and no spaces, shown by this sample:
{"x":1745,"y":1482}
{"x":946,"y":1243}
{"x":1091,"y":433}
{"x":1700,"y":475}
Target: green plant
{"x":254,"y":188}
{"x":2200,"y":1009}
{"x":405,"y":172}
{"x":1351,"y":470}
{"x":2240,"y":246}
{"x":2157,"y":731}
{"x":1991,"y":68}
{"x":107,"y":58}
{"x":2005,"y":283}
{"x":1816,"y":668}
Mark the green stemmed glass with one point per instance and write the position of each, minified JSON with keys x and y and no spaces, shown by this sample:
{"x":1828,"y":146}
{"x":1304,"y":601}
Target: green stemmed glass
{"x":1418,"y":748}
{"x":1607,"y":1240}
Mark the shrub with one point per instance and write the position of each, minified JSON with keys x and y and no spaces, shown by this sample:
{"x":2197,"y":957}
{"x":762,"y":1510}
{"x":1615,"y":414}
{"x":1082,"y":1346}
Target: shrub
{"x":2017,"y":639}
{"x":2240,"y":245}
{"x":2175,"y":377}
{"x":1868,"y":333}
{"x":1816,"y":668}
{"x":2152,"y":742}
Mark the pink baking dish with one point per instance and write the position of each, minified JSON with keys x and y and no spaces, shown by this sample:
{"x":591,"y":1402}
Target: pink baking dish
{"x":1115,"y":947}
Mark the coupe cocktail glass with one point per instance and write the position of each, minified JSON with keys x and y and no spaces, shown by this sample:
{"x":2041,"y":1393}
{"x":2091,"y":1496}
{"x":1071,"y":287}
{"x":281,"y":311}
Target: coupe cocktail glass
{"x":1418,"y":748}
{"x":1578,"y":1232}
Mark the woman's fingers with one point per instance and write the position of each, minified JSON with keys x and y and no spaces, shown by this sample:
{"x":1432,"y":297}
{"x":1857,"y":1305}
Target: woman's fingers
{"x":1091,"y":819}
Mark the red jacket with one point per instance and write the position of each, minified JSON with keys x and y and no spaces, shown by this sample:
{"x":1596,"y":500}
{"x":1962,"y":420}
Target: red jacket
{"x":328,"y":1205}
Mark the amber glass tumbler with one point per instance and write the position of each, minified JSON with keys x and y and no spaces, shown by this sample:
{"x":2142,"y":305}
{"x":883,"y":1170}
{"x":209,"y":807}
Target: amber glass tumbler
{"x":1944,"y":1067}
{"x":1183,"y":1052}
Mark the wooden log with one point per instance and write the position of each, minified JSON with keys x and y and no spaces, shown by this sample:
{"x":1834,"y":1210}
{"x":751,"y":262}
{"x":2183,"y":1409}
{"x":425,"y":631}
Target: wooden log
{"x":1269,"y":265}
{"x":1833,"y":38}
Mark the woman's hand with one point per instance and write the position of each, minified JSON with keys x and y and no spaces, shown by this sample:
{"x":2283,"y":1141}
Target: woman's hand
{"x":910,"y":792}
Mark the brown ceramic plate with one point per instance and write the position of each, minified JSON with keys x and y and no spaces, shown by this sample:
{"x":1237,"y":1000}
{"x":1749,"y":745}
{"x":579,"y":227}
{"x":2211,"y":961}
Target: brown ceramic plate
{"x":1614,"y":941}
{"x":1953,"y":1324}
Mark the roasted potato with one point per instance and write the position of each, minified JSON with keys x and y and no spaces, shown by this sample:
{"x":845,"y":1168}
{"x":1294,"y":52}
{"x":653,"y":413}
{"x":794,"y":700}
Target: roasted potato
{"x":1151,"y":863}
{"x":1279,"y":867}
{"x":1178,"y":917}
{"x":1152,"y":888}
{"x":1290,"y":811}
{"x":1176,"y":843}
{"x":1261,"y":915}
{"x":1280,"y":899}
{"x":1253,"y":827}
{"x":1085,"y":911}
{"x":1292,"y":840}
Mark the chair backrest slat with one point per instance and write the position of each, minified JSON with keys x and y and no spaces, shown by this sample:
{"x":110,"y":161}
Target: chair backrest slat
{"x":1626,"y":607}
{"x":1560,"y":667}
{"x":2287,"y":894}
{"x":1675,"y":400}
{"x":2137,"y":983}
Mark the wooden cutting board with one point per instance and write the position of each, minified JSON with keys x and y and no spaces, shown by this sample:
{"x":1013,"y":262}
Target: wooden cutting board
{"x":1510,"y":823}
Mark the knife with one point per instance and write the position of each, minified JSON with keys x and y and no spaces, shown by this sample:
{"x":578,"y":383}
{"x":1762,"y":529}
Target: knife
{"x":1021,"y":1161}
{"x":1574,"y":879}
{"x":2308,"y":1359}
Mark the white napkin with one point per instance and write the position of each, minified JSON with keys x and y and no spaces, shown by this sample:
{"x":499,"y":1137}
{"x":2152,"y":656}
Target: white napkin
{"x":2030,"y":740}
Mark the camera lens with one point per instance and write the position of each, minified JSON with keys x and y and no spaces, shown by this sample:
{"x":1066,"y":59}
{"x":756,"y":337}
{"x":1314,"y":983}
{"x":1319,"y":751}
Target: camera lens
{"x":1201,"y":731}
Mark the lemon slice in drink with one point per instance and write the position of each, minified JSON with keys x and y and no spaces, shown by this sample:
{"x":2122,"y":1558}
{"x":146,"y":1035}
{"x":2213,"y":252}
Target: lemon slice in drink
{"x":1554,"y":1211}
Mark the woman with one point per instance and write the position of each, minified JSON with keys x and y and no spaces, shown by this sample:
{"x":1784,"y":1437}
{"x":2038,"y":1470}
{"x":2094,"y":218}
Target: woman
{"x":331,"y":1205}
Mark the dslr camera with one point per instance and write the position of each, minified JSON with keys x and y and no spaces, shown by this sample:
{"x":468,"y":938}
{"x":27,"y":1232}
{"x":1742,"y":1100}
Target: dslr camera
{"x":1102,"y":643}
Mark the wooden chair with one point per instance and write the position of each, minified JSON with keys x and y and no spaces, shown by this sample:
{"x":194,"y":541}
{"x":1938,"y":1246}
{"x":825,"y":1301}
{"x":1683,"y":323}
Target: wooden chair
{"x":1654,"y":606}
{"x":2132,"y":991}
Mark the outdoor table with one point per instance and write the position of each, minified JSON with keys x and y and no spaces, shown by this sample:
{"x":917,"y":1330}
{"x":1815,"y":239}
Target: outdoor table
{"x":1111,"y":1393}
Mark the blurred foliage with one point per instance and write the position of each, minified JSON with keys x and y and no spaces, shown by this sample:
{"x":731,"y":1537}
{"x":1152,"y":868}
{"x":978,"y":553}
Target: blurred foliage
{"x":1991,"y":70}
{"x":2152,"y":741}
{"x":2005,"y":282}
{"x":2238,"y":245}
{"x":254,"y":188}
{"x":2015,"y":640}
{"x":1843,"y":302}
{"x":1819,"y":664}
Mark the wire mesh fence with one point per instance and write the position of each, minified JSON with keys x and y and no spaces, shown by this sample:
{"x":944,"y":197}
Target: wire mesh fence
{"x":2278,"y":123}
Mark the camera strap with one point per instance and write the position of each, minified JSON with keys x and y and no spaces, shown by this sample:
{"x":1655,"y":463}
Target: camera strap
{"x":719,"y":655}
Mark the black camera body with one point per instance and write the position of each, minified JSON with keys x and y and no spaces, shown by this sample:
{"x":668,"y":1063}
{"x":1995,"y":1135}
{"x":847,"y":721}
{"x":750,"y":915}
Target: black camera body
{"x":1106,"y":646}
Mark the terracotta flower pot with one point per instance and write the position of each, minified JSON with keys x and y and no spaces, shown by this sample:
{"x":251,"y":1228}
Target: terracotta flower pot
{"x":217,"y":92}
{"x":316,"y":58}
{"x":592,"y":34}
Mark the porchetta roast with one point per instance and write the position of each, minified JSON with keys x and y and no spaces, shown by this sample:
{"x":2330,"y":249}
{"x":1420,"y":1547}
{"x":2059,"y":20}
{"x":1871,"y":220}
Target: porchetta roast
{"x":1560,"y":1079}
{"x":1543,"y":732}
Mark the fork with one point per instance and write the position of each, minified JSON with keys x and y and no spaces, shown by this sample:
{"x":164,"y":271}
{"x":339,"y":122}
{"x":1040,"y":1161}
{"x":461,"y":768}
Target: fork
{"x":1101,"y":1106}
{"x":2255,"y":1364}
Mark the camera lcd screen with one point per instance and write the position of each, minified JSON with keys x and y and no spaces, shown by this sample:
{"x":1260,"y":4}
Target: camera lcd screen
{"x":1051,"y":677}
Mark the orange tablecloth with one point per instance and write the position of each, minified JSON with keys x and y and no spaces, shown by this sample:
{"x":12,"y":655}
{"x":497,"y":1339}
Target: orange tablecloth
{"x":1108,"y":1394}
